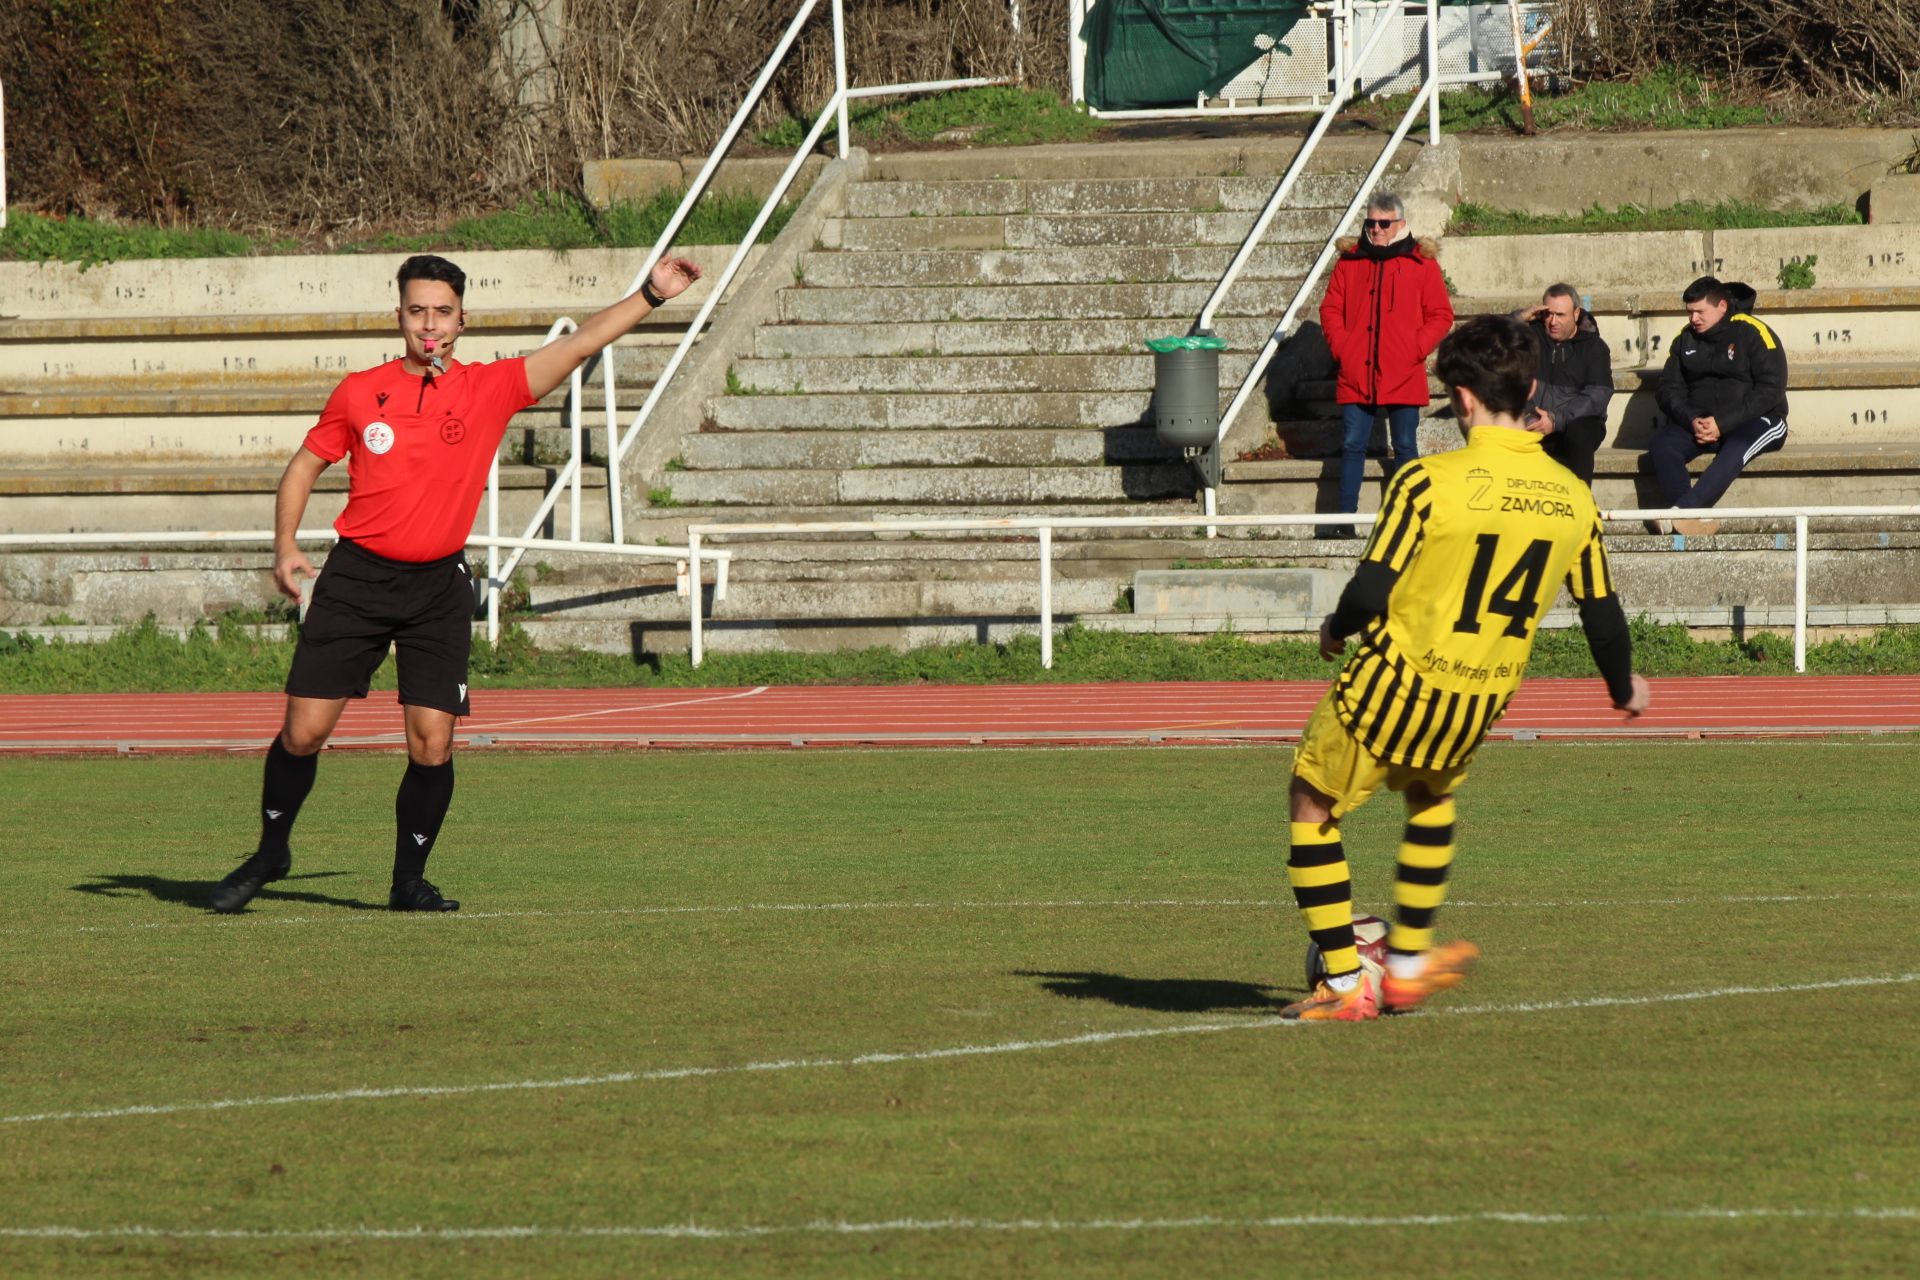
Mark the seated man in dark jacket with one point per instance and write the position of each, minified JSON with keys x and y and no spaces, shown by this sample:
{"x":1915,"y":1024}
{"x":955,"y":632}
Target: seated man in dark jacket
{"x":1574,"y":380}
{"x":1724,"y":392}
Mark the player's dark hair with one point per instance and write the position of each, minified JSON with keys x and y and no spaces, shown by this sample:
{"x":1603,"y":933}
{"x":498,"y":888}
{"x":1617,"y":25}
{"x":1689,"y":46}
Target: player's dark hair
{"x":1707,"y":289}
{"x":1492,"y":356}
{"x":1561,"y":289}
{"x":428,"y":266}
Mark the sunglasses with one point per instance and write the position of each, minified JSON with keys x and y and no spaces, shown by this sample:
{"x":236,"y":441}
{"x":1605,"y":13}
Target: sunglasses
{"x":1381,"y":223}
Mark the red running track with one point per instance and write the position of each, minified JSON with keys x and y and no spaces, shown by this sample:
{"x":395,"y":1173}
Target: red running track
{"x":1731,"y":706}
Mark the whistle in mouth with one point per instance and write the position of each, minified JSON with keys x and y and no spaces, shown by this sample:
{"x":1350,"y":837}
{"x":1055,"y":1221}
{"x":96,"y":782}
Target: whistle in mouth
{"x":433,"y":358}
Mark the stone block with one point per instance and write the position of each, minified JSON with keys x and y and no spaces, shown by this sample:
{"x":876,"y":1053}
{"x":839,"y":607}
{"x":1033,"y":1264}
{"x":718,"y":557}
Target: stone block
{"x":610,"y":182}
{"x":1234,"y":593}
{"x":1894,"y":198}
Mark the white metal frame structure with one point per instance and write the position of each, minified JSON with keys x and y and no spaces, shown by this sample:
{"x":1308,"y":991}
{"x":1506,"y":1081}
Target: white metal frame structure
{"x":1345,"y":22}
{"x":618,"y":441}
{"x":1043,"y":528}
{"x":3,"y":155}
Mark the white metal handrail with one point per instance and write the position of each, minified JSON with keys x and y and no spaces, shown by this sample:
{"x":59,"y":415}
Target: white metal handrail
{"x":834,"y":111}
{"x":1428,"y":92}
{"x":1343,"y":93}
{"x":3,"y":155}
{"x":568,"y":479}
{"x":1429,"y":96}
{"x":1044,"y":527}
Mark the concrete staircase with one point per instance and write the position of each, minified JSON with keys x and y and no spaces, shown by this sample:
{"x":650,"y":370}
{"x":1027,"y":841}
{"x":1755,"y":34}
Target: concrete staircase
{"x":965,"y":341}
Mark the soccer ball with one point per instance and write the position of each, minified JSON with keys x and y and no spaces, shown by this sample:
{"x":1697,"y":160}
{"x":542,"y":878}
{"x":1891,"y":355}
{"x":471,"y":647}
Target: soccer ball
{"x":1370,"y":936}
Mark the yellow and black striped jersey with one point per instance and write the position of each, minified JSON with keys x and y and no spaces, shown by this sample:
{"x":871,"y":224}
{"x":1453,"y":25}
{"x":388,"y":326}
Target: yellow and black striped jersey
{"x":1481,"y":539}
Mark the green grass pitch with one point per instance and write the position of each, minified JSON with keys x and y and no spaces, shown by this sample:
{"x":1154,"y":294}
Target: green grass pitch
{"x":715,"y":996}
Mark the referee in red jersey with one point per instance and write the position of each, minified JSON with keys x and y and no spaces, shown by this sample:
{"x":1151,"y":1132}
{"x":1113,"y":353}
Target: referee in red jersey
{"x":420,"y":434}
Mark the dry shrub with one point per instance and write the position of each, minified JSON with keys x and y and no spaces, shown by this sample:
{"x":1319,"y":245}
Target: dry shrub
{"x":325,"y":114}
{"x":1855,"y":49}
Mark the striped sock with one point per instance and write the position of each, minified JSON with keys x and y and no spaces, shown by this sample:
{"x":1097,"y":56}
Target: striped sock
{"x":1317,"y":869}
{"x":1420,"y":881}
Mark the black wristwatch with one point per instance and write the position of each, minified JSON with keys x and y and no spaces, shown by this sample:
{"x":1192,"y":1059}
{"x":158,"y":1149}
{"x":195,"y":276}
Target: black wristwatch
{"x":653,"y":299}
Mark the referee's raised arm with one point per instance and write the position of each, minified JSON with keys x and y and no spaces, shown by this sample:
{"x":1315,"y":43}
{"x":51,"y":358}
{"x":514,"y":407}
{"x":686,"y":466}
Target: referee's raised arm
{"x":551,"y":365}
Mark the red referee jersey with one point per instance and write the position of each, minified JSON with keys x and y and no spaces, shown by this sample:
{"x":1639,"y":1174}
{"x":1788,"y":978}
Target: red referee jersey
{"x":421,"y":450}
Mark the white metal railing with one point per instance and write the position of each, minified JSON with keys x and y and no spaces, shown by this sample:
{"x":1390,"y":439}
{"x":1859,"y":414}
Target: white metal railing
{"x":619,"y":442}
{"x":1343,"y":93}
{"x":1428,"y":96}
{"x":687,"y":582}
{"x":3,"y":155}
{"x":1044,"y":526}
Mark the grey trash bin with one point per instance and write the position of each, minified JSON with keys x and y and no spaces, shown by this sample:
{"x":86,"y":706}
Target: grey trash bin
{"x":1186,"y":389}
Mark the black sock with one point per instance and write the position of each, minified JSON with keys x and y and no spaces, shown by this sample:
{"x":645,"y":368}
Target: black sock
{"x":419,"y":808}
{"x":284,"y":789}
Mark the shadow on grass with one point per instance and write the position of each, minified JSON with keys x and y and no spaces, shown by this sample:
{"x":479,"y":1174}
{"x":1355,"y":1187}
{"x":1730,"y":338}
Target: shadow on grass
{"x":1166,"y":995}
{"x":193,"y":893}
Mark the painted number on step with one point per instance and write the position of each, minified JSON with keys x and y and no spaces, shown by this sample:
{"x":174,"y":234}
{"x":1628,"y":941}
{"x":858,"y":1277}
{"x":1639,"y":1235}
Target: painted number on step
{"x":1643,"y":346}
{"x":330,"y":362}
{"x":1870,"y":417}
{"x":57,"y":368}
{"x":1893,"y":259}
{"x":129,"y":292}
{"x":1708,"y":266}
{"x":312,"y":287}
{"x":149,"y":366}
{"x":1832,"y":337}
{"x":239,"y":364}
{"x":583,"y":282}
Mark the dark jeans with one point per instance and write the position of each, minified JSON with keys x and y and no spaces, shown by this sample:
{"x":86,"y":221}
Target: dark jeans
{"x":1674,"y":447}
{"x":1574,"y":445}
{"x":1403,"y":428}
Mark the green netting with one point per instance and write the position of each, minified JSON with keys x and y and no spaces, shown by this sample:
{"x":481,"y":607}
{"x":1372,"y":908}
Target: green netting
{"x":1156,"y":53}
{"x":1197,"y":342}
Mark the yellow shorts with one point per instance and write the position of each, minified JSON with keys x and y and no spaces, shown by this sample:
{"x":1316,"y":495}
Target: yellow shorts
{"x":1332,"y":762}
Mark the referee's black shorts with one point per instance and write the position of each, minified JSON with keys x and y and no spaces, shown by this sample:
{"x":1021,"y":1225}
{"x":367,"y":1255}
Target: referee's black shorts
{"x":362,"y":603}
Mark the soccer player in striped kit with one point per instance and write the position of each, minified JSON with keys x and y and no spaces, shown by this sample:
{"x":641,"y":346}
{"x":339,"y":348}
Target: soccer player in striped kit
{"x":422,"y":432}
{"x":1469,"y":550}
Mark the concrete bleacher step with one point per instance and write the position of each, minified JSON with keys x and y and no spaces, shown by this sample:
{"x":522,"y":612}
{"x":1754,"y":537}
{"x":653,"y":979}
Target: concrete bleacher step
{"x":1051,"y":231}
{"x":946,"y":485}
{"x":1838,"y":475}
{"x":160,"y":499}
{"x":253,"y":419}
{"x":925,"y":374}
{"x":813,"y":304}
{"x":1000,"y":337}
{"x":172,"y":352}
{"x":846,"y":450}
{"x":576,"y":282}
{"x":1828,"y":326}
{"x":1087,"y":196}
{"x":917,"y":268}
{"x":850,"y":411}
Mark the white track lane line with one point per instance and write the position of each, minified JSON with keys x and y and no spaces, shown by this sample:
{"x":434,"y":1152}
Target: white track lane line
{"x":981,"y":1226}
{"x":1054,"y":904}
{"x":209,"y":921}
{"x":916,"y":1055}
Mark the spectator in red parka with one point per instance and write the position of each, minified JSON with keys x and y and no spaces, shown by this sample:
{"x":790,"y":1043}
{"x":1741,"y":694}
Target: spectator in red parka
{"x":1385,"y":311}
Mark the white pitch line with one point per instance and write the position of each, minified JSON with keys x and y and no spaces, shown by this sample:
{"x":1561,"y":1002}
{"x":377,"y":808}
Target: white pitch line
{"x":984,"y":1226}
{"x":491,"y":727}
{"x":912,"y":1055}
{"x":1042,"y":904}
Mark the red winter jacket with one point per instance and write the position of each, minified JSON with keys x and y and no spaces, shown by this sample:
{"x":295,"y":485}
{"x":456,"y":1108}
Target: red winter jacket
{"x":1383,"y":316}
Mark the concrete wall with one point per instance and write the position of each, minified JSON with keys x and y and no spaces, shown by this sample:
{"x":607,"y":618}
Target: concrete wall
{"x":1774,"y":167}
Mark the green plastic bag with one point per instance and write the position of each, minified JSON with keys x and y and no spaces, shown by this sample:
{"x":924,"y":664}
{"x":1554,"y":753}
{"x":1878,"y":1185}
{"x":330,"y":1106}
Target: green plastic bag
{"x":1197,"y":342}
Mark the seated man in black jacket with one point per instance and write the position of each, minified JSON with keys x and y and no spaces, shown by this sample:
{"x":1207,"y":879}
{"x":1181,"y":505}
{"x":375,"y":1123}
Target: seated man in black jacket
{"x":1724,"y":392}
{"x":1574,"y":380}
